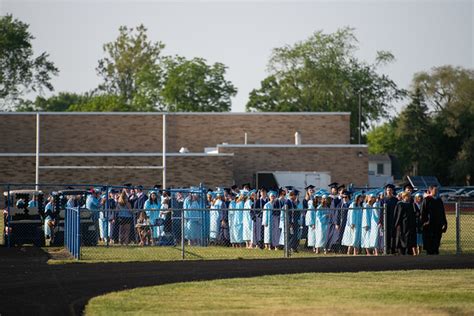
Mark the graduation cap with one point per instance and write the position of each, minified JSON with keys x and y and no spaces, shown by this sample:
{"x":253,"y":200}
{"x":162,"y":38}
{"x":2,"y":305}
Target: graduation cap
{"x":252,"y":192}
{"x":289,"y":187}
{"x":227,"y":190}
{"x":309,"y":187}
{"x":296,"y":192}
{"x":246,"y":185}
{"x":333,"y":185}
{"x":281,"y":190}
{"x":157,"y":186}
{"x":139,"y":187}
{"x":342,"y":186}
{"x":152,"y":192}
{"x":272,"y":193}
{"x":127,"y":185}
{"x":234,"y":187}
{"x":408,"y":185}
{"x":345,"y":192}
{"x":391,"y":186}
{"x":263,"y":189}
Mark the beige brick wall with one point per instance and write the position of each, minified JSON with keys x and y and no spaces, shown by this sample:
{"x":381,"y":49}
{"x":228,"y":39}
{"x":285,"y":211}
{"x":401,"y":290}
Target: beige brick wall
{"x":143,"y":133}
{"x":181,"y":171}
{"x":343,"y":164}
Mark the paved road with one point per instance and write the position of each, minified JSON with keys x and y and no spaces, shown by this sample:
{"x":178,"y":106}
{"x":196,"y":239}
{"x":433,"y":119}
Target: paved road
{"x":29,"y":286}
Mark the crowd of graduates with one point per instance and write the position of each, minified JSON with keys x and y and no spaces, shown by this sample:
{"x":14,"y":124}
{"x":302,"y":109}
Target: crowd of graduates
{"x":336,"y":221}
{"x":323,"y":221}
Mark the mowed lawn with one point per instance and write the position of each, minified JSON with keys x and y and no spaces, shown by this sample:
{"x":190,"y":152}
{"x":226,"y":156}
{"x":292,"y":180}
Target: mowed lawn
{"x":117,"y":253}
{"x":417,"y":292}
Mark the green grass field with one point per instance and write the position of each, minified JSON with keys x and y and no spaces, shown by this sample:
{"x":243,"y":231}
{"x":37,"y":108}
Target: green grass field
{"x":418,"y":292}
{"x":134,"y":253}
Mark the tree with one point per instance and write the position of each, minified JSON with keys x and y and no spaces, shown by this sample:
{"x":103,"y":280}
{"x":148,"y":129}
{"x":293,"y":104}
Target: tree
{"x":383,"y":139}
{"x":413,"y":126}
{"x":102,"y":103}
{"x":132,"y":69}
{"x":20,"y":71}
{"x":449,"y":91}
{"x":323,"y":74}
{"x":194,"y":86}
{"x":56,"y":103}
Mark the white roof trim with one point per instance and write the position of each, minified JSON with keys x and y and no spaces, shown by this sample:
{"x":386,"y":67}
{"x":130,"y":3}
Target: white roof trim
{"x":176,"y":113}
{"x":113,"y":154}
{"x":292,"y":146}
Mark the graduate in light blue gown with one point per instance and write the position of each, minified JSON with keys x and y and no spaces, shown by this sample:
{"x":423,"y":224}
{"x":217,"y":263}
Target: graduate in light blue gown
{"x":267,"y":220}
{"x":419,"y":230}
{"x":215,"y":215}
{"x":376,"y":228}
{"x":247,"y":223}
{"x":49,"y":220}
{"x":310,"y":221}
{"x":367,"y":223}
{"x":192,"y":230}
{"x":152,"y":208}
{"x":352,"y":232}
{"x":33,"y":202}
{"x":322,"y":218}
{"x":93,"y":204}
{"x":236,"y":221}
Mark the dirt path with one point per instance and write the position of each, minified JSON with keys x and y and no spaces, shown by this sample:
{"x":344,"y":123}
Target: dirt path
{"x":29,"y":286}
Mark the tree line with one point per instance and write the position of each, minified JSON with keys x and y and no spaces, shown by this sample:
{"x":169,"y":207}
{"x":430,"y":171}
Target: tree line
{"x":431,"y":135}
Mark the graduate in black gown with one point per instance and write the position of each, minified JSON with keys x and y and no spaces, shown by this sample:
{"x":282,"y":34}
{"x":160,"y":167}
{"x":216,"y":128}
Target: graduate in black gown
{"x":333,"y":233}
{"x":433,"y":217}
{"x":293,"y":220}
{"x":405,"y":225}
{"x":341,"y":220}
{"x":391,"y":201}
{"x":277,"y":206}
{"x":256,"y":214}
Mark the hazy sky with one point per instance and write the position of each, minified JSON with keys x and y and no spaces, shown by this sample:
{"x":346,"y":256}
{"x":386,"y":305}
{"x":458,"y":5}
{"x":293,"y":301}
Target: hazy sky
{"x":421,"y":34}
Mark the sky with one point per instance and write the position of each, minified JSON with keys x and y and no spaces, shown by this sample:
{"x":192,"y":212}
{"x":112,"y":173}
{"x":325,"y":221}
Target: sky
{"x":421,"y":34}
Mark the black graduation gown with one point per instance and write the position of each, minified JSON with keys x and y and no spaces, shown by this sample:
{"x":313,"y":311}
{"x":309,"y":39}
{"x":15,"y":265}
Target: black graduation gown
{"x":275,"y":229}
{"x":223,"y":237}
{"x":256,"y":214}
{"x":293,"y":222}
{"x":405,"y":225}
{"x":433,"y":217}
{"x":341,"y":220}
{"x":391,"y":233}
{"x":333,"y":233}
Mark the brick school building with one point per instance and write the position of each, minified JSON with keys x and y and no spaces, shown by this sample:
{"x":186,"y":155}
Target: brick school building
{"x":217,"y":149}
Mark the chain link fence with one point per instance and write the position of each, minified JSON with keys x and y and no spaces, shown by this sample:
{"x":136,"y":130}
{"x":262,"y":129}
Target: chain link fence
{"x":180,"y":224}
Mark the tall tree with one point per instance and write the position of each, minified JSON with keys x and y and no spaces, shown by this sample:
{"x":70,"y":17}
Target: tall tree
{"x":449,"y":91}
{"x":322,"y":73}
{"x":132,"y":70}
{"x":20,"y":71}
{"x":194,"y":86}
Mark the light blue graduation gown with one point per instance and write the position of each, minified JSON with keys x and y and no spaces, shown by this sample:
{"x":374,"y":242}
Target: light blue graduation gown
{"x":152,"y":210}
{"x":32,"y":203}
{"x":376,"y":232}
{"x":47,"y":229}
{"x":352,"y":232}
{"x":267,"y":222}
{"x":321,"y":227}
{"x":310,"y":220}
{"x":215,"y":219}
{"x":366,"y":224}
{"x":247,"y":223}
{"x":192,"y":231}
{"x":236,"y":223}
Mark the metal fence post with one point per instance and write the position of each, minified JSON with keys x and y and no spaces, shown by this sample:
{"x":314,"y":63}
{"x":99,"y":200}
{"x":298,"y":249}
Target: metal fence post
{"x":8,"y":216}
{"x":385,"y":226}
{"x":106,"y":218}
{"x":78,"y":226}
{"x":285,"y":231}
{"x":458,"y":229}
{"x":182,"y":234}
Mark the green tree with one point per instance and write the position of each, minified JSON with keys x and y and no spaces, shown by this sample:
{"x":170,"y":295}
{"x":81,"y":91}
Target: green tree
{"x":322,"y":73}
{"x":383,"y":139}
{"x":413,"y":147}
{"x":449,"y":91}
{"x":194,"y":86}
{"x":132,"y":69}
{"x":102,"y":103}
{"x":56,"y":103}
{"x":20,"y":71}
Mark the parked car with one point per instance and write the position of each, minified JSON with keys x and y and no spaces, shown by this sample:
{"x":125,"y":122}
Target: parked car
{"x":23,"y":221}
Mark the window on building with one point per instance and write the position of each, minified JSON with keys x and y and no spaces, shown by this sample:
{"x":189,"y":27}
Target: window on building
{"x":380,"y":168}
